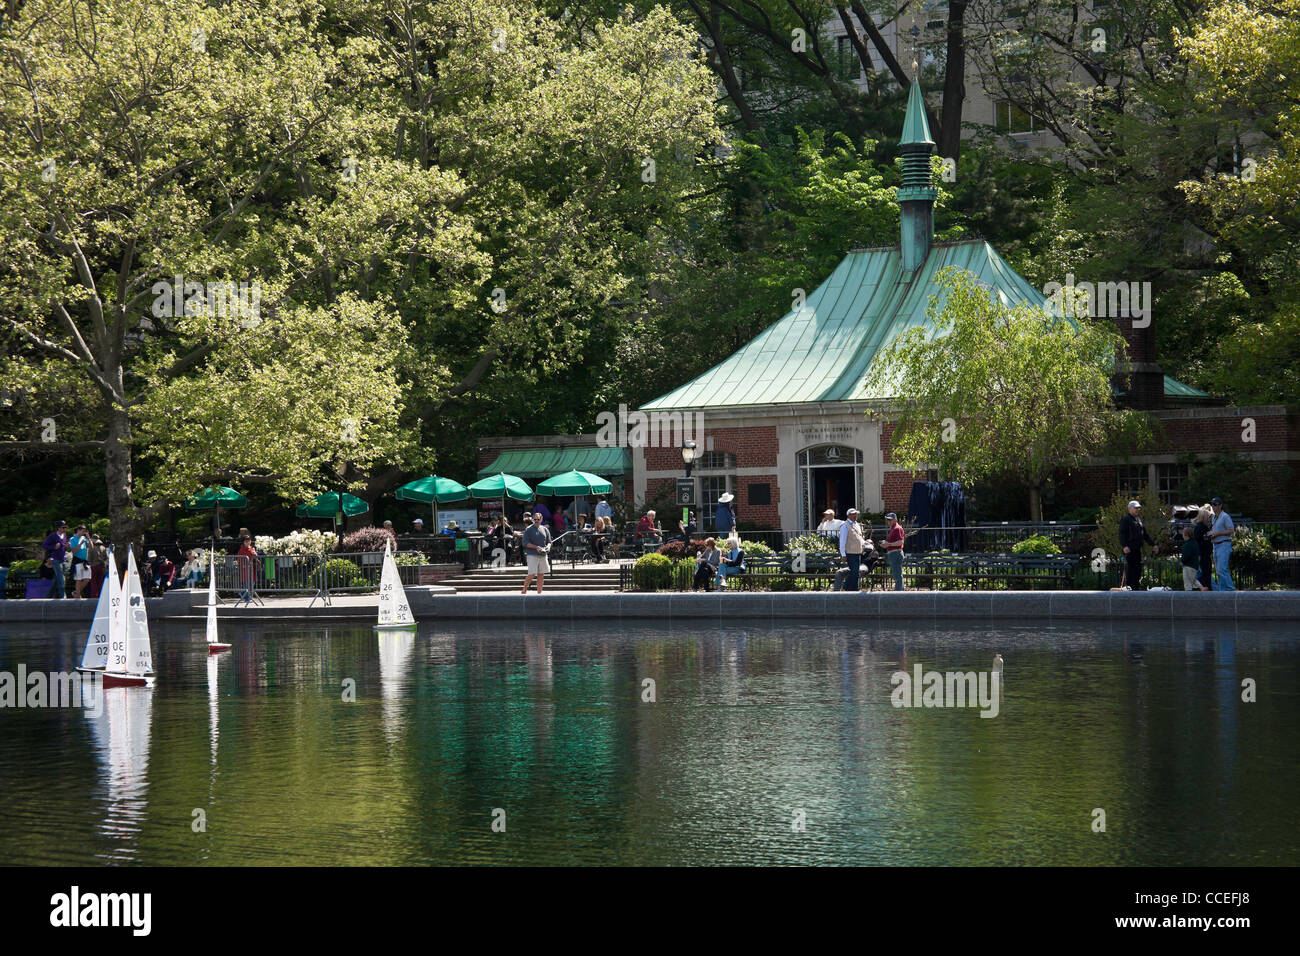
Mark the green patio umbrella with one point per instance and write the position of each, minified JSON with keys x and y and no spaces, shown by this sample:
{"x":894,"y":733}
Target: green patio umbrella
{"x":327,"y":506}
{"x":214,"y":499}
{"x":434,"y":490}
{"x":575,"y":483}
{"x":501,"y":486}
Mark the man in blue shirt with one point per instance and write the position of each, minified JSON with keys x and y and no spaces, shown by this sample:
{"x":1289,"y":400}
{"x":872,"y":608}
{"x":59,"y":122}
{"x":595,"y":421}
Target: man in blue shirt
{"x":1221,"y":533}
{"x":603,"y":510}
{"x":56,"y":548}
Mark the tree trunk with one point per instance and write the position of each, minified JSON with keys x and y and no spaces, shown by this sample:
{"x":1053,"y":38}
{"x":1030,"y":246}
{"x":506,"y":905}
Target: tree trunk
{"x":1035,"y":503}
{"x":123,"y":517}
{"x":954,"y":82}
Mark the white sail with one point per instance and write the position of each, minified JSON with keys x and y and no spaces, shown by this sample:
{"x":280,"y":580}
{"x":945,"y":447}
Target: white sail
{"x":394,"y":609}
{"x":139,"y":657}
{"x":117,"y":656}
{"x":110,"y":600}
{"x":212,"y":599}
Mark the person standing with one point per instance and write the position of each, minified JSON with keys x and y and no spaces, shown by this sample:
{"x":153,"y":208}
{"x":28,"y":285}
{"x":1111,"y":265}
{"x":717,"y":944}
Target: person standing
{"x":98,"y":566}
{"x":603,"y":510}
{"x":852,"y":543}
{"x":56,"y":549}
{"x":1221,"y":533}
{"x":79,"y":545}
{"x":247,"y":571}
{"x":830,"y":527}
{"x":1201,"y":532}
{"x":723,"y":516}
{"x":894,"y":539}
{"x":537,"y":544}
{"x":1191,"y":561}
{"x":1131,"y":535}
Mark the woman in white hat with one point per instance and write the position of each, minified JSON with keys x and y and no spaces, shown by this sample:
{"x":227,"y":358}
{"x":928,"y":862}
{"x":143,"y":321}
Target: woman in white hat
{"x":724,"y":517}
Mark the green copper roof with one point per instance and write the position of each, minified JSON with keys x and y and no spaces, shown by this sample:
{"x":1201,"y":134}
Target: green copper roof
{"x":916,"y":129}
{"x":547,"y":462}
{"x":822,"y":352}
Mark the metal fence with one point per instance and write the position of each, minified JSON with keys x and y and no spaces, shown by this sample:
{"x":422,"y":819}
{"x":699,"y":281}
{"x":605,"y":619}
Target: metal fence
{"x":309,"y":574}
{"x":957,"y":572}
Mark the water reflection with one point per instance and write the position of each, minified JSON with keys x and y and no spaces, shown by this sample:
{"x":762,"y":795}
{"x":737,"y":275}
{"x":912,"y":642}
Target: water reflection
{"x":121,"y":732}
{"x":395,"y":652}
{"x":748,"y":724}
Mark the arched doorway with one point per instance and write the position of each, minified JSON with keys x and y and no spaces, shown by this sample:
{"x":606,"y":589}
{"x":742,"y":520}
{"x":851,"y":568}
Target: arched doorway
{"x":830,"y":476}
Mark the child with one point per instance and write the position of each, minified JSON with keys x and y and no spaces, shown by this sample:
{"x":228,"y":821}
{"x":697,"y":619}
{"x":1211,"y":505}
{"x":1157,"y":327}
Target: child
{"x":1191,"y":562}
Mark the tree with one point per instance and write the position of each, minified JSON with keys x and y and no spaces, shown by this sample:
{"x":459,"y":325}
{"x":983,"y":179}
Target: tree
{"x":363,"y":176}
{"x":997,"y":392}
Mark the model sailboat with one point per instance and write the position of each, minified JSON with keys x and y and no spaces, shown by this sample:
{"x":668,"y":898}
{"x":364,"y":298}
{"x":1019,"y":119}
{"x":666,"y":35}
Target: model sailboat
{"x":110,"y":602}
{"x":214,"y":646}
{"x":130,"y":660}
{"x":394,"y":609}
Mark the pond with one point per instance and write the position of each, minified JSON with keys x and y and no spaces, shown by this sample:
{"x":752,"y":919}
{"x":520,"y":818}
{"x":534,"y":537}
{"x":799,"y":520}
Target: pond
{"x":500,"y":743}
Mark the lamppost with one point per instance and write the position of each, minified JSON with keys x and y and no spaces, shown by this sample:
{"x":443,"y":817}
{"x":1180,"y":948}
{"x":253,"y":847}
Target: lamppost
{"x":688,"y":459}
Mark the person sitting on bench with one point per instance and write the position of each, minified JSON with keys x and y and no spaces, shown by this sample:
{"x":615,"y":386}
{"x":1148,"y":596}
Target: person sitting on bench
{"x":733,"y":562}
{"x":706,"y":565}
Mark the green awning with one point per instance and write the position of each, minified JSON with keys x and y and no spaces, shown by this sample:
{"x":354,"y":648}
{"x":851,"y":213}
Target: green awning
{"x":538,"y":463}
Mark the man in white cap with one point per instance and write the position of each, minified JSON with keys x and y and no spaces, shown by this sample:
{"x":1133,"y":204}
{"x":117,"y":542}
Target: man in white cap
{"x":852,"y":543}
{"x":724,"y":517}
{"x":417,"y":526}
{"x":1131,"y":535}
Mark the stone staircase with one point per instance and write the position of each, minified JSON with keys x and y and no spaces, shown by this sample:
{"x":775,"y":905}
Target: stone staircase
{"x":580,"y":577}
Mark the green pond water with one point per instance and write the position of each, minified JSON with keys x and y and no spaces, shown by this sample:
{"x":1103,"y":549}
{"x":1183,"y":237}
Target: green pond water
{"x":764,"y":745}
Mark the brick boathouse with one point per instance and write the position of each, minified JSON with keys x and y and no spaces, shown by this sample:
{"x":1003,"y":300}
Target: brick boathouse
{"x":787,"y":428}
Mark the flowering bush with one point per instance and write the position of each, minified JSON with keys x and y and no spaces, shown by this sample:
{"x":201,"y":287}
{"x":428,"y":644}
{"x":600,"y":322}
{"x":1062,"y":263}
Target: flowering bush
{"x":299,"y":542}
{"x":369,"y":539}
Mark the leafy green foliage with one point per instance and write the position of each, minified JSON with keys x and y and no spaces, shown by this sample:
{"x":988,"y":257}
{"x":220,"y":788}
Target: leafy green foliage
{"x":1036,"y":544}
{"x":652,"y":572}
{"x":1005,"y":392}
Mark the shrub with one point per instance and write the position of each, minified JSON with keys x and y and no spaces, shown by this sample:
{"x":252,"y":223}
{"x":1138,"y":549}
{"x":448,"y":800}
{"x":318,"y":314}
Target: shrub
{"x":1252,"y":553}
{"x":20,"y":572}
{"x":753,"y":549}
{"x":1036,"y":544}
{"x":1154,"y":515}
{"x":342,"y":573}
{"x":318,"y":543}
{"x":369,"y":539}
{"x":652,"y":572}
{"x":409,"y":560}
{"x":678,"y":549}
{"x":813,"y":543}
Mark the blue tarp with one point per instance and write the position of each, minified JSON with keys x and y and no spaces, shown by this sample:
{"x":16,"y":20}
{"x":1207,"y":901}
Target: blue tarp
{"x":936,"y":505}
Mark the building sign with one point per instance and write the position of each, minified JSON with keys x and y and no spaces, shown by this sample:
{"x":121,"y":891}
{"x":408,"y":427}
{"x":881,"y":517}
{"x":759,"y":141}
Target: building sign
{"x":466,"y":519}
{"x":817,"y":434}
{"x":685,"y":491}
